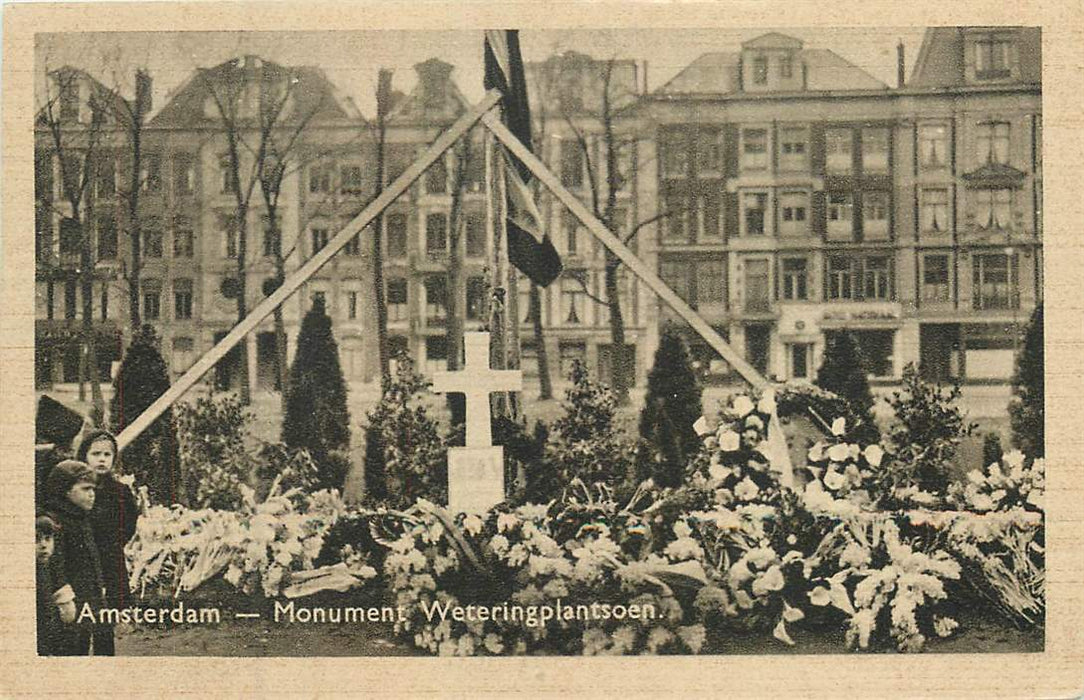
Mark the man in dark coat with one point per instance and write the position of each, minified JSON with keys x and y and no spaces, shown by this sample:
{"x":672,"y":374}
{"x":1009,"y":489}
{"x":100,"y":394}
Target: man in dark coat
{"x":69,"y":498}
{"x":113,"y":521}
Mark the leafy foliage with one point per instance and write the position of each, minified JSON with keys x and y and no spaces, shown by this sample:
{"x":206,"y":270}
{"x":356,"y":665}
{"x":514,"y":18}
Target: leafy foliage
{"x":671,"y":407}
{"x":404,"y":454}
{"x":1027,"y":411}
{"x":316,"y":415}
{"x":212,"y":432}
{"x":927,"y":432}
{"x":153,"y":456}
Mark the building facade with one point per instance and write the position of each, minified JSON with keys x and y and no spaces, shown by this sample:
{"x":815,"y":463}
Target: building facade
{"x":782,"y":191}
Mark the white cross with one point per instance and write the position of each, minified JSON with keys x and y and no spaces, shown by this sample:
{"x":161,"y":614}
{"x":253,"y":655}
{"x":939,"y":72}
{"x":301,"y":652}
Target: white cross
{"x":476,"y":382}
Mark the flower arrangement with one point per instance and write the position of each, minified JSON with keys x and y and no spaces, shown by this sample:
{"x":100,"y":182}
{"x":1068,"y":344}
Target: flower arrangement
{"x":1014,"y":483}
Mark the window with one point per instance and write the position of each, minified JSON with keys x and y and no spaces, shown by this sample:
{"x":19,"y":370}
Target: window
{"x":753,"y":207}
{"x":992,"y":58}
{"x":436,"y":353}
{"x":876,"y":348}
{"x":875,"y":150}
{"x":795,"y":279}
{"x":43,"y":176}
{"x":878,"y":281}
{"x":793,"y":149}
{"x":837,"y":150}
{"x":397,"y":299}
{"x":760,"y":70}
{"x":106,"y":176}
{"x":320,"y":178}
{"x":569,"y":353}
{"x":993,"y":208}
{"x":69,"y":99}
{"x":353,"y":246}
{"x":71,"y":173}
{"x":709,"y":150}
{"x":183,"y":355}
{"x":476,"y":235}
{"x":842,"y":277}
{"x":757,"y":286}
{"x":709,"y":213}
{"x":710,"y":282}
{"x":474,"y":175}
{"x":105,"y":301}
{"x":569,"y":226}
{"x":793,"y":213}
{"x":436,"y":234}
{"x":571,"y":164}
{"x":840,"y":215}
{"x":786,"y":67}
{"x":399,"y":158}
{"x":436,"y":297}
{"x":107,"y":236}
{"x":992,"y":142}
{"x":395,"y":228}
{"x":184,"y":243}
{"x":225,"y":173}
{"x":934,"y":211}
{"x":152,"y":240}
{"x":71,"y":236}
{"x":570,"y":92}
{"x":572,"y":296}
{"x":676,"y":204}
{"x":352,"y":305}
{"x":319,"y":239}
{"x":933,"y":146}
{"x":994,"y":281}
{"x":800,"y":360}
{"x":184,"y":173}
{"x":675,"y":273}
{"x":150,"y":175}
{"x":70,"y":299}
{"x":436,"y":177}
{"x":351,"y":179}
{"x":935,"y":278}
{"x":875,"y":215}
{"x":673,"y":154}
{"x":754,"y":149}
{"x":152,"y":300}
{"x":182,"y":299}
{"x":272,"y":238}
{"x":476,"y":298}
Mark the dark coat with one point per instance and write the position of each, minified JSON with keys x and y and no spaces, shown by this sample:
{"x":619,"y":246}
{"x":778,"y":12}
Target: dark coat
{"x":53,"y":637}
{"x":113,"y":521}
{"x":78,"y":551}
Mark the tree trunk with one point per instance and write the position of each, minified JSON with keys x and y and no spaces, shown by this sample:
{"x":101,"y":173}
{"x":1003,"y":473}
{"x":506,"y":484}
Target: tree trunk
{"x":619,"y":362}
{"x":383,"y":98}
{"x":134,"y":229}
{"x":90,"y":359}
{"x":242,"y":306}
{"x":545,"y":384}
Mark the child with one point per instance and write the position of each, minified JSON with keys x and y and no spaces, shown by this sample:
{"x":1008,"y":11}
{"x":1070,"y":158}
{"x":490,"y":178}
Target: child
{"x":113,"y":521}
{"x":56,"y":600}
{"x":70,"y":497}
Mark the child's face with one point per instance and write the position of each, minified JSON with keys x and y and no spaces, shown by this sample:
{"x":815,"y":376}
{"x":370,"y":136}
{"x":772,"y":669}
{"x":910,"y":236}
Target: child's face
{"x":44,"y":549}
{"x":82,"y":495}
{"x":100,"y":455}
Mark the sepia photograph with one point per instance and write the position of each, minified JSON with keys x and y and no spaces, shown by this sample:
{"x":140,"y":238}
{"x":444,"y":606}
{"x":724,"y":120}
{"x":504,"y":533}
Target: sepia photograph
{"x":539,"y":342}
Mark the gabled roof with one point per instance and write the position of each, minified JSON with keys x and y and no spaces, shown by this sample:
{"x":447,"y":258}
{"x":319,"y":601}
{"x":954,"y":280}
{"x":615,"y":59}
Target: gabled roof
{"x":312,"y":91}
{"x":995,"y":175}
{"x":717,"y":73}
{"x":942,"y":58}
{"x":773,"y":40}
{"x":417,"y":107}
{"x":117,"y":105}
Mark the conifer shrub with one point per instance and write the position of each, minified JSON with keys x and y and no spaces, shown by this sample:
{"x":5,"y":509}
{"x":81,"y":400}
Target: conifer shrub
{"x":843,"y":372}
{"x":1026,"y":411}
{"x":671,"y":407}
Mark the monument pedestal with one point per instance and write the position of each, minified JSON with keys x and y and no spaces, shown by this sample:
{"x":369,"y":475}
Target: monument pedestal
{"x":475,"y":478}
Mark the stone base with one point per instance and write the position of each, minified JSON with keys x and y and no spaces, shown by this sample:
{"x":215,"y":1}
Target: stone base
{"x":475,"y":478}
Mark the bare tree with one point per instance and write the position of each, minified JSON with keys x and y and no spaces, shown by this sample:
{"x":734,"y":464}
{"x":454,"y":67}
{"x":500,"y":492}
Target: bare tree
{"x":78,"y":146}
{"x":383,"y":107}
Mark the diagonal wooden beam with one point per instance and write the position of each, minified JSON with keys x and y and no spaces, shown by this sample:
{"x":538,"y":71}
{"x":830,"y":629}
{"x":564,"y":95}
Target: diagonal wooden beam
{"x":292,"y":283}
{"x":624,"y":253}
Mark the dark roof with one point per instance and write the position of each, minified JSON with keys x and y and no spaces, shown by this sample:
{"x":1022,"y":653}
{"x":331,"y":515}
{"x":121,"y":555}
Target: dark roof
{"x":118,"y":106}
{"x":942,"y":60}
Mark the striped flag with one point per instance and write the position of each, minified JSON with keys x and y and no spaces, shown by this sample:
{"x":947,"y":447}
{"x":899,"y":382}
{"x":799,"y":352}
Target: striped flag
{"x":529,"y":248}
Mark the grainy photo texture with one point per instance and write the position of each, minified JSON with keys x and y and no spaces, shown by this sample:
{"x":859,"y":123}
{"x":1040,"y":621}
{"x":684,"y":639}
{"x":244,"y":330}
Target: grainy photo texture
{"x":539,"y":342}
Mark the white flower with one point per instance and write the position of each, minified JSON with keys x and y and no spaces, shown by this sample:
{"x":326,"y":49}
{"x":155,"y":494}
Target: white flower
{"x":1035,"y":498}
{"x":472,"y":524}
{"x":1014,"y":459}
{"x":981,"y":502}
{"x":816,"y":453}
{"x":780,"y":633}
{"x":718,"y":472}
{"x":729,"y":441}
{"x":792,"y":539}
{"x":839,"y":453}
{"x":834,"y":480}
{"x":682,"y":529}
{"x":701,"y":426}
{"x":873,"y":454}
{"x":839,"y":426}
{"x":741,"y":406}
{"x":766,"y":405}
{"x":792,"y":614}
{"x":976,"y":477}
{"x":819,"y":596}
{"x":746,"y":490}
{"x":944,"y":626}
{"x":770,"y":580}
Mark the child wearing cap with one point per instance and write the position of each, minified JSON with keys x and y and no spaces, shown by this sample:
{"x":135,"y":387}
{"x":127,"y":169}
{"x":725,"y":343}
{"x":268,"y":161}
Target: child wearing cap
{"x":56,"y":599}
{"x":70,"y":493}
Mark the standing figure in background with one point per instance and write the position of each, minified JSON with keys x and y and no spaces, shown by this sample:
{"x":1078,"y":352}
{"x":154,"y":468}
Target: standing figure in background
{"x":113,"y":522}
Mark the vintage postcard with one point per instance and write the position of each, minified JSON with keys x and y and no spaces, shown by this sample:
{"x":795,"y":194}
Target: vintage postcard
{"x":733,"y":338}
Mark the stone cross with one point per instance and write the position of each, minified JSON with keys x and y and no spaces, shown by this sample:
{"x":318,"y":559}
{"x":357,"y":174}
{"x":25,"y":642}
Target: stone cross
{"x":476,"y":471}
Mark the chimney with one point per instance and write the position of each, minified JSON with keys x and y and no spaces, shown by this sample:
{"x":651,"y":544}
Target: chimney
{"x":901,"y":66}
{"x":144,"y":100}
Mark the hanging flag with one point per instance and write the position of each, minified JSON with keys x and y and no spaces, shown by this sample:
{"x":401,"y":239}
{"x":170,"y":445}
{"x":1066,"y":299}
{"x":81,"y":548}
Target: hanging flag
{"x":529,"y":248}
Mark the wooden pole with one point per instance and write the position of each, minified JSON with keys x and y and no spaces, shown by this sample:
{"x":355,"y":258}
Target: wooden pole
{"x":317,"y":261}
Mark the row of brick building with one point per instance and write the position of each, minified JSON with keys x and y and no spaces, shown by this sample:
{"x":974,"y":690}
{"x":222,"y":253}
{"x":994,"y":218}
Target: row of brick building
{"x":788,"y":194}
